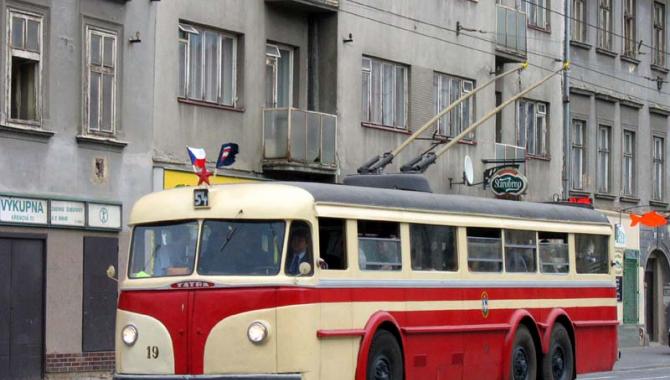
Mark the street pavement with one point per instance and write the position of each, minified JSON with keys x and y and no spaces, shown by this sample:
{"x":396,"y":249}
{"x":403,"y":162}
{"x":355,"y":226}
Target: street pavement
{"x":639,"y":363}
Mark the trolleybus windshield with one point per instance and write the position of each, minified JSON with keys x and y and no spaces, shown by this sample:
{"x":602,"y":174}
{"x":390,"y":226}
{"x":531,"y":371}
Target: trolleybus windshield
{"x":161,"y":250}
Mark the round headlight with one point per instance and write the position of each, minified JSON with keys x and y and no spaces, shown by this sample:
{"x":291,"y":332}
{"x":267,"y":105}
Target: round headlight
{"x":257,"y":332}
{"x":129,"y":335}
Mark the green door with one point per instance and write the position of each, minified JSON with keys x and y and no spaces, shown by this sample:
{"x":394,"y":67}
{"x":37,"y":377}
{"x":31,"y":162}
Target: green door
{"x":630,"y":291}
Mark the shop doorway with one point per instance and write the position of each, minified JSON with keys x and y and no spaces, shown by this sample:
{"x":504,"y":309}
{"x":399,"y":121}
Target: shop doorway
{"x":657,"y":296}
{"x":21,"y":308}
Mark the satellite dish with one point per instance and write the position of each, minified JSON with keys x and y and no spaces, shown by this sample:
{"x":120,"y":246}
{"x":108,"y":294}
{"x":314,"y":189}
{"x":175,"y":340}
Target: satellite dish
{"x":468,"y":172}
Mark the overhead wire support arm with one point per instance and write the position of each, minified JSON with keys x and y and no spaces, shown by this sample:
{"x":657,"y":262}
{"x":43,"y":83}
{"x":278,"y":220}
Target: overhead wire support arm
{"x":420,"y":164}
{"x":378,"y":163}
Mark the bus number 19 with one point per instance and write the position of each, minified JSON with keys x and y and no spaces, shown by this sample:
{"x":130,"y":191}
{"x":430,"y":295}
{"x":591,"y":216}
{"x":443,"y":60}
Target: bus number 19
{"x":152,"y":352}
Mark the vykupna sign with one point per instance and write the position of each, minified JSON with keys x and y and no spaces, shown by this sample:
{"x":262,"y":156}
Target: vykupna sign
{"x":23,"y":210}
{"x":508,"y":182}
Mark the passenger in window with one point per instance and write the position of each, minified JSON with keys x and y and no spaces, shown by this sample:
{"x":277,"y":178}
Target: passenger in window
{"x":298,"y":252}
{"x":388,"y":255}
{"x":175,"y":257}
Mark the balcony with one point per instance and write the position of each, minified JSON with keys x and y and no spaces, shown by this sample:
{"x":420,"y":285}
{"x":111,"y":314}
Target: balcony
{"x":316,"y":6}
{"x":510,"y":34}
{"x":299,"y":141}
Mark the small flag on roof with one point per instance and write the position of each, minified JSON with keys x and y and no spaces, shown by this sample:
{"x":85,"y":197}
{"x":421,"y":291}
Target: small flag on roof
{"x":198,"y":156}
{"x":227,"y":155}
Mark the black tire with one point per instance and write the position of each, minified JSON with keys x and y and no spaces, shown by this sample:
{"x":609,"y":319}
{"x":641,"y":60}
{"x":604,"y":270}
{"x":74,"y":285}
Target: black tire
{"x":559,"y":362}
{"x":523,"y":361}
{"x":384,"y":358}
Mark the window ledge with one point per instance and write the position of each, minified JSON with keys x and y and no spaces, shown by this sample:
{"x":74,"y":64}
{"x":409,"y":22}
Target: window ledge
{"x":605,"y":196}
{"x":606,"y":52}
{"x":28,"y":130}
{"x":537,"y":157}
{"x":209,"y":104}
{"x":660,"y":69}
{"x":385,"y":128}
{"x":461,"y":141}
{"x":109,"y":141}
{"x":540,"y":29}
{"x":629,"y":59}
{"x":579,"y":193}
{"x":629,"y":199}
{"x":580,"y":44}
{"x":658,"y":203}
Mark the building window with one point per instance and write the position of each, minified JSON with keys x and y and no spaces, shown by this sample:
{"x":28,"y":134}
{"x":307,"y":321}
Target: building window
{"x":577,"y":153}
{"x":628,"y":162}
{"x":384,"y":93}
{"x":603,"y":177}
{"x":532,"y":127}
{"x":658,"y":169}
{"x":578,"y":21}
{"x":538,"y":13}
{"x":278,"y":76}
{"x":658,"y":55}
{"x":207,"y":65}
{"x":605,"y":24}
{"x":101,"y":80}
{"x":629,"y":44}
{"x":24,"y":67}
{"x":446,"y":90}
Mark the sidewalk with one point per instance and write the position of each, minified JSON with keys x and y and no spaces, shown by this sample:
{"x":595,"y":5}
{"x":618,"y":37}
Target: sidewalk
{"x":653,"y":356}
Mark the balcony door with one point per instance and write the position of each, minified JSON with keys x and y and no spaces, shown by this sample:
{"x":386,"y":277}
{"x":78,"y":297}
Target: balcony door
{"x":278,"y":76}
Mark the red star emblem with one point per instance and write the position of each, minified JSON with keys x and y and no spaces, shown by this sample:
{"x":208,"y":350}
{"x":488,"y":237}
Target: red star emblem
{"x":203,"y":176}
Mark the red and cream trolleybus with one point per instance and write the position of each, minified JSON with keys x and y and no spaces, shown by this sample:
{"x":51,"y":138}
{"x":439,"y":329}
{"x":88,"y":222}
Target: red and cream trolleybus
{"x":319,"y":281}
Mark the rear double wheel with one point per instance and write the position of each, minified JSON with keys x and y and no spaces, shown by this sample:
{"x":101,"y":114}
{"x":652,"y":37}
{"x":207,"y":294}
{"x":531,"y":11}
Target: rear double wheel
{"x":559,"y":362}
{"x":524,"y":358}
{"x":384,"y":358}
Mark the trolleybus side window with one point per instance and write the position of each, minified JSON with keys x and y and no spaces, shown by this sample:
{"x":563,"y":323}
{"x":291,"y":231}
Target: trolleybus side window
{"x":241,"y":247}
{"x":332,"y":243}
{"x":163,"y":250}
{"x":520,"y":251}
{"x":379,"y":245}
{"x":553,"y":252}
{"x":433,"y":247}
{"x":591,"y":253}
{"x":484,"y":250}
{"x":299,"y":249}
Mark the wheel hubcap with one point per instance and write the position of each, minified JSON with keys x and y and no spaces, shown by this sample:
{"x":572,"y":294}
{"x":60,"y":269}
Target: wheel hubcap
{"x":558,"y":363}
{"x":382,"y":368}
{"x":520,"y":364}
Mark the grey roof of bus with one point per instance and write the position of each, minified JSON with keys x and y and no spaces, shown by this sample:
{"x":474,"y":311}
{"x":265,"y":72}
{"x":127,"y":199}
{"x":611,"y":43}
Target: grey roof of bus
{"x":368,"y":196}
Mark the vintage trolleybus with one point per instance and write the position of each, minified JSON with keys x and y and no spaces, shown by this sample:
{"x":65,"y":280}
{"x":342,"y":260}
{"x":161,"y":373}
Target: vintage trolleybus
{"x":319,"y":281}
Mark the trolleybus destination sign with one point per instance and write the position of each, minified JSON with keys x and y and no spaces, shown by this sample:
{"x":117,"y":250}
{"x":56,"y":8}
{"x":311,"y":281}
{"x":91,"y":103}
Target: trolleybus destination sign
{"x":508,"y":181}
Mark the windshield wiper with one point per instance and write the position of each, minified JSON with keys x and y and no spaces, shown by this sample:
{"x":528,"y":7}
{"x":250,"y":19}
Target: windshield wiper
{"x":231,"y":232}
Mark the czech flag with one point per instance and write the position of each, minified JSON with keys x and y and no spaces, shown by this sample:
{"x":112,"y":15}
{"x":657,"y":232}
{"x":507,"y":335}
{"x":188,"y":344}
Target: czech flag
{"x":227,"y":155}
{"x":198,"y":156}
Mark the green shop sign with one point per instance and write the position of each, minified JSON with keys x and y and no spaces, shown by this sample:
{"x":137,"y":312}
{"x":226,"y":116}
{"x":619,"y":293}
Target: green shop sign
{"x":508,"y":182}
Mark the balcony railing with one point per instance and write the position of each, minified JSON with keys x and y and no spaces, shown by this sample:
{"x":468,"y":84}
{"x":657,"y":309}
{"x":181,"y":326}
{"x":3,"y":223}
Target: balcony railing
{"x":511,"y":31}
{"x":510,"y":152}
{"x":294,"y":137}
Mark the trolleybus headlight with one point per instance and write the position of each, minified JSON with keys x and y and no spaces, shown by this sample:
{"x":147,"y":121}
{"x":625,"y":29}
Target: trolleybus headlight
{"x":129,"y":335}
{"x":257,"y":332}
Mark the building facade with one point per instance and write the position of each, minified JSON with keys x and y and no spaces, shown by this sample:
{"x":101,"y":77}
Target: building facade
{"x":618,"y":141}
{"x":103,"y":96}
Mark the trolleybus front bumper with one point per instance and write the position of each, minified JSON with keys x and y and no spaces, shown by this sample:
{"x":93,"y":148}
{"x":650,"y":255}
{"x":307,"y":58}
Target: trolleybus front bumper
{"x":284,"y":376}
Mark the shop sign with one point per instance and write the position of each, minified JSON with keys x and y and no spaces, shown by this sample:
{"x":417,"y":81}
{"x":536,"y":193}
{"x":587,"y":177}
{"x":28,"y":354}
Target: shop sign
{"x":104,"y":215}
{"x":23,"y":210}
{"x":68,"y":213}
{"x":508,"y":182}
{"x":619,"y":236}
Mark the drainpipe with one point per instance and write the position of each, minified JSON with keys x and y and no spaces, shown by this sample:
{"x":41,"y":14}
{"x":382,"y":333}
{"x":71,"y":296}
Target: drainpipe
{"x":567,"y":125}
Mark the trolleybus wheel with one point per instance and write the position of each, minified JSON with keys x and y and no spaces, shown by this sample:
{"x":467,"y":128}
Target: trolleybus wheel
{"x":524,"y":359}
{"x":559,"y":362}
{"x":385,"y":358}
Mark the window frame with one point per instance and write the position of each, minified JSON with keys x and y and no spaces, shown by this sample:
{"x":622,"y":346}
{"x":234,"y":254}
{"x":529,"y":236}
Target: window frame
{"x":543,"y":131}
{"x":188,"y":28}
{"x":102,"y":70}
{"x":369,"y":72}
{"x":26,"y":54}
{"x":455,"y":118}
{"x":629,"y":15}
{"x":536,"y":7}
{"x":628,"y":162}
{"x":577,"y":148}
{"x":604,"y":152}
{"x":605,"y":24}
{"x":658,"y":35}
{"x":275,"y":72}
{"x":658,"y":163}
{"x":578,"y":27}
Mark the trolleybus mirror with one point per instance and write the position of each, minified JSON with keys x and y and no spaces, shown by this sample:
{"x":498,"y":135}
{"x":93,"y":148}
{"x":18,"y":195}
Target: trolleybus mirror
{"x":305,"y":269}
{"x":468,"y":171}
{"x":111,"y":272}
